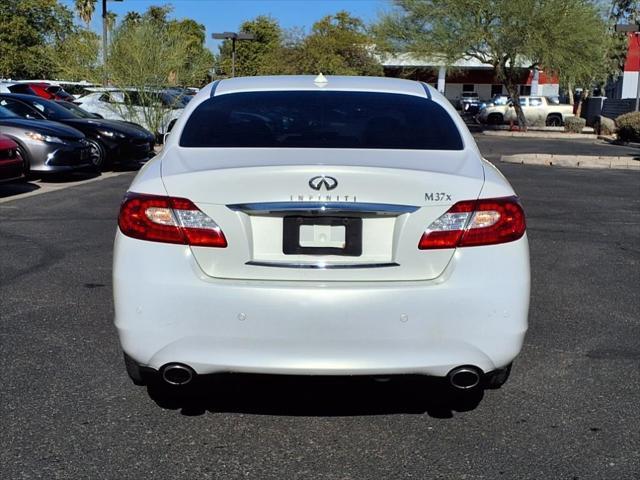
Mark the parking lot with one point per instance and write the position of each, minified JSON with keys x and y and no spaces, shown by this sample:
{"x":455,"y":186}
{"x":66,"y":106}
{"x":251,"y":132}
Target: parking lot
{"x":569,"y":411}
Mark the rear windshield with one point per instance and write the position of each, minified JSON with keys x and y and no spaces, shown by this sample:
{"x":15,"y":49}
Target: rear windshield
{"x":321,"y":119}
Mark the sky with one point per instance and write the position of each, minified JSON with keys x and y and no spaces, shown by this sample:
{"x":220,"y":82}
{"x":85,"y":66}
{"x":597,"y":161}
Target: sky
{"x":227,"y":15}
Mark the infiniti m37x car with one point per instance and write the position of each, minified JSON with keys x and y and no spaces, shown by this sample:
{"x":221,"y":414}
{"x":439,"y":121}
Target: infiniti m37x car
{"x":332,"y":226}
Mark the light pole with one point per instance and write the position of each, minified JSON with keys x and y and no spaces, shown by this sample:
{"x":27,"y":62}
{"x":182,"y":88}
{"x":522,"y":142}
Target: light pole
{"x":105,"y":76}
{"x":635,"y":29}
{"x":233,"y":36}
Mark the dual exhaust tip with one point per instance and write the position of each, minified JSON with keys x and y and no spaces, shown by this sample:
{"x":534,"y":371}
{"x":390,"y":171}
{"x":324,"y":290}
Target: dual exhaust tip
{"x":177,"y":374}
{"x":460,"y":378}
{"x":465,"y":378}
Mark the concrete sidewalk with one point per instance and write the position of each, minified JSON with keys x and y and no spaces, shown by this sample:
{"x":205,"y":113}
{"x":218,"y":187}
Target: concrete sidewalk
{"x":539,"y":134}
{"x":574,"y":161}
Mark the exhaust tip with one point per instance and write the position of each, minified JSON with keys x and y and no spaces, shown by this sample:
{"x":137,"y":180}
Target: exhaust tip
{"x":464,"y":378}
{"x":177,"y":374}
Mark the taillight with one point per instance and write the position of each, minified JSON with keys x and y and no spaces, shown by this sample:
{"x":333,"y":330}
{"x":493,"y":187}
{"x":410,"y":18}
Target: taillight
{"x":476,"y":222}
{"x":168,"y":220}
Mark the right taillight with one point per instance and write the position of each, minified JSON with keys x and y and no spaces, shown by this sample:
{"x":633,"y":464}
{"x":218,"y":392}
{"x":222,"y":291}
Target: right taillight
{"x":168,"y":220}
{"x":476,"y":222}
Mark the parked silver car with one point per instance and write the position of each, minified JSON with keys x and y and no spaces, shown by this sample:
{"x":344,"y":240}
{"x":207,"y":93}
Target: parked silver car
{"x":46,"y":146}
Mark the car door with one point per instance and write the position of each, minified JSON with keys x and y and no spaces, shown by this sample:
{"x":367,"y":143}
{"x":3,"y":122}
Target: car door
{"x":511,"y":115}
{"x":104,"y":106}
{"x":534,"y":110}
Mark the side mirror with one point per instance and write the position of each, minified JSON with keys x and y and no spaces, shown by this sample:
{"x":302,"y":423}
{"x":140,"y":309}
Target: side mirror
{"x":97,"y":115}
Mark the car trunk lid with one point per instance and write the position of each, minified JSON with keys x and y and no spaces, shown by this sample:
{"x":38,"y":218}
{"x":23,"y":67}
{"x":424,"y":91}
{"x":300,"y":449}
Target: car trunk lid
{"x":382,"y":200}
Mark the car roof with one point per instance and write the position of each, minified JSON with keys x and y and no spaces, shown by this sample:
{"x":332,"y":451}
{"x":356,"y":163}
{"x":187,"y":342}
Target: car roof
{"x":24,"y":97}
{"x":335,"y":83}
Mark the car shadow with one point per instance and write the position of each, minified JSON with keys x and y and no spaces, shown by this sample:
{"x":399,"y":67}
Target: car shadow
{"x":127,"y":166}
{"x":314,"y":396}
{"x":18,"y":187}
{"x":69,"y":177}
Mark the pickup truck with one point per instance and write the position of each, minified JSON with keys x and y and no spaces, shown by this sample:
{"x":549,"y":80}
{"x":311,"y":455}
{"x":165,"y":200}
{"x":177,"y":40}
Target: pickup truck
{"x":535,"y":109}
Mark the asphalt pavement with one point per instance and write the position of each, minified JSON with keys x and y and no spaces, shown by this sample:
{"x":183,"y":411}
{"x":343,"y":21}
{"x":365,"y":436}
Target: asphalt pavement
{"x":570,"y":410}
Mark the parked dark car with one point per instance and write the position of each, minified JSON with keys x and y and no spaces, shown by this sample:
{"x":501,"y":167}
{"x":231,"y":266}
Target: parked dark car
{"x":11,"y":162}
{"x":46,"y":147}
{"x":110,"y":140}
{"x":469,"y":103}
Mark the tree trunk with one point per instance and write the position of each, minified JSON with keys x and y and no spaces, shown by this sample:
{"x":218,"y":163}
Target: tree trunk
{"x":514,"y":94}
{"x":583,"y":97}
{"x":570,"y":93}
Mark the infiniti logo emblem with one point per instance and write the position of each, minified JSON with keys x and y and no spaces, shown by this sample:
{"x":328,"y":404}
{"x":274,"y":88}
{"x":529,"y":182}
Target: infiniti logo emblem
{"x":329,"y":183}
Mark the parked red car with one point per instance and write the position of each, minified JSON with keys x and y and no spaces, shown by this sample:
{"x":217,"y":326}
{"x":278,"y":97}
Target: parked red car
{"x":11,"y":162}
{"x":42,"y":89}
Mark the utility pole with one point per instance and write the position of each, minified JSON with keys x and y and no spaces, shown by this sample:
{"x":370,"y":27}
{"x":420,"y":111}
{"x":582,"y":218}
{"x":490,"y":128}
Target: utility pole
{"x":635,"y":30}
{"x":105,"y":74}
{"x":233,"y":36}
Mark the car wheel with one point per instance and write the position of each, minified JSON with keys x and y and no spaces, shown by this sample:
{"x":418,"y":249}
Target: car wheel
{"x":494,"y":119}
{"x":98,"y":154}
{"x":554,"y":121}
{"x":26,"y":168}
{"x":497,"y":378}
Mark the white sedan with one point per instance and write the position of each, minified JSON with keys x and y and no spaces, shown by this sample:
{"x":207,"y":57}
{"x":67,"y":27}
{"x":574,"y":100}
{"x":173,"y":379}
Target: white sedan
{"x":331,"y":226}
{"x":129,"y":106}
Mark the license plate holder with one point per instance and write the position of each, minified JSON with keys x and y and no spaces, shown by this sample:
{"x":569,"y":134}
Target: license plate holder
{"x":352,"y":235}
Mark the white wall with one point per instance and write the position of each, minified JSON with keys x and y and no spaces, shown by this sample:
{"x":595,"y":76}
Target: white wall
{"x":629,"y":85}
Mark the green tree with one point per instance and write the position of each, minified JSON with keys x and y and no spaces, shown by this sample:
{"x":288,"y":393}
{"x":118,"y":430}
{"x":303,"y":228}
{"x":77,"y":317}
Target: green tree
{"x":564,"y":36}
{"x":85,"y":10}
{"x":153,"y":53}
{"x":132,"y":17}
{"x":258,"y":56}
{"x":339,"y":45}
{"x":112,"y":17}
{"x":29,"y":32}
{"x":80,"y":52}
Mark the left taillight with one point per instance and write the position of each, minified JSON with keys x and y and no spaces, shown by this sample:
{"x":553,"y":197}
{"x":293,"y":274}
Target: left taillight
{"x":472,"y":223}
{"x":168,"y":220}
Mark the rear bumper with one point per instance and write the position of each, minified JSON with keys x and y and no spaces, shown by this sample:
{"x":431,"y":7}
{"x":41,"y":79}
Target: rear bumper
{"x":167,"y":310}
{"x":128,"y":149}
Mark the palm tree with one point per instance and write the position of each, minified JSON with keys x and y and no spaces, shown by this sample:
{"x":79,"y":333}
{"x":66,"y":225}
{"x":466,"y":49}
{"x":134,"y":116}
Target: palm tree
{"x":85,"y":9}
{"x":111,"y":20}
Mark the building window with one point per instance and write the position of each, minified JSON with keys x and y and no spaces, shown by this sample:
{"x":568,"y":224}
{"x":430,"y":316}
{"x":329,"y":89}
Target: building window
{"x":468,"y":87}
{"x":525,"y":89}
{"x":496,"y":90}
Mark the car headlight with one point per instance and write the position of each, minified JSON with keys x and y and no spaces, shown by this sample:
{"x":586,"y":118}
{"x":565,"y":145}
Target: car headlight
{"x":38,"y":137}
{"x":109,"y":134}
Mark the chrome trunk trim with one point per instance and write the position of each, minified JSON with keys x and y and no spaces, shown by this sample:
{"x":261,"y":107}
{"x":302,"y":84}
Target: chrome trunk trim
{"x":323,"y":207}
{"x":320,"y":265}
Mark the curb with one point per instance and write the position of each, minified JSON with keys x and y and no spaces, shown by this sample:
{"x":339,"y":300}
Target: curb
{"x":614,"y":141}
{"x":573,"y":161}
{"x":534,"y":134}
